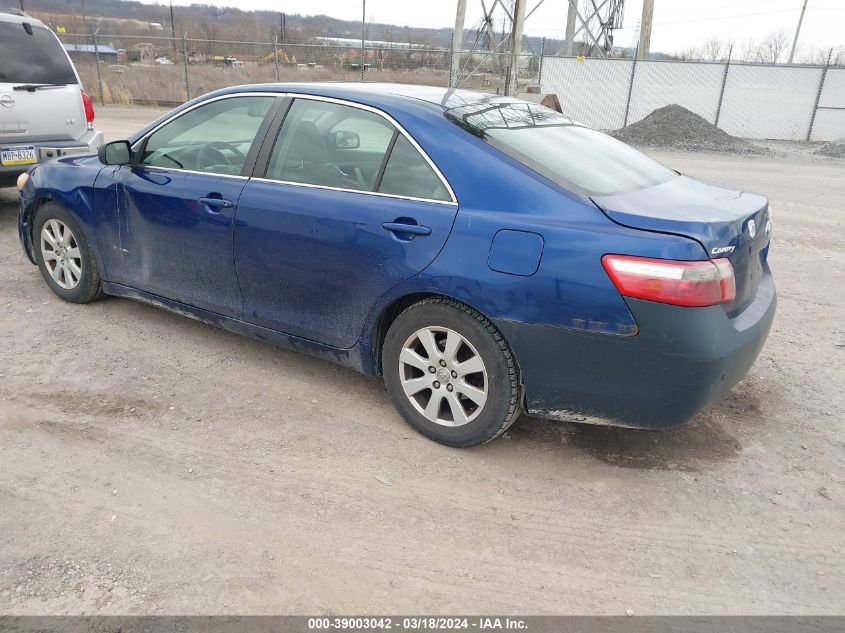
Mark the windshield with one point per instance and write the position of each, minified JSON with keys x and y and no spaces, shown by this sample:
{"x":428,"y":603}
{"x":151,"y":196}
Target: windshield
{"x":32,"y":59}
{"x":565,"y":152}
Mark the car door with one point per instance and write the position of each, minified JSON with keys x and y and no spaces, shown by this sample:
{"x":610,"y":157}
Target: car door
{"x":346,"y":207}
{"x":177,"y":203}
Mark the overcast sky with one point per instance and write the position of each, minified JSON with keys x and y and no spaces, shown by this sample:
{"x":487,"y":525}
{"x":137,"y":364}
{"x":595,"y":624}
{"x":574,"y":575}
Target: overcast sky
{"x":678,"y":24}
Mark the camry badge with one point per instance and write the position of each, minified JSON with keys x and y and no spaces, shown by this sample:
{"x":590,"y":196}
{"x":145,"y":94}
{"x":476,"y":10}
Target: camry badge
{"x":7,"y":101}
{"x":722,"y":249}
{"x":752,"y":228}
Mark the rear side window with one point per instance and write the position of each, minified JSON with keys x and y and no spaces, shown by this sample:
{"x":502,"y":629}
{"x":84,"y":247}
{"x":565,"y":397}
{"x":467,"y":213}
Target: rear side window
{"x":35,"y":58}
{"x":573,"y":156}
{"x":330,"y":145}
{"x":345,"y":147}
{"x":408,"y":174}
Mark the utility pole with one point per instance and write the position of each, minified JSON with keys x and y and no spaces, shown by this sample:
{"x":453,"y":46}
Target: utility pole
{"x":457,"y":43}
{"x":797,"y":31}
{"x":282,"y":25}
{"x":22,"y":9}
{"x":173,"y":30}
{"x":276,"y":56}
{"x":97,"y":57}
{"x":645,"y":29}
{"x":512,"y":85}
{"x":363,"y":26}
{"x":570,"y":28}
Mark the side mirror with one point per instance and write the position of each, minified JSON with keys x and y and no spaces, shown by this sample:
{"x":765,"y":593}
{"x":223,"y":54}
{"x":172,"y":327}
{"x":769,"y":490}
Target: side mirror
{"x":115,"y":153}
{"x":346,"y":140}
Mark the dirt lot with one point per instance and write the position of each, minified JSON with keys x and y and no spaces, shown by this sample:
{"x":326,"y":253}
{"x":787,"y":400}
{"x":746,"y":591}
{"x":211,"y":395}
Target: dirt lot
{"x":152,"y":464}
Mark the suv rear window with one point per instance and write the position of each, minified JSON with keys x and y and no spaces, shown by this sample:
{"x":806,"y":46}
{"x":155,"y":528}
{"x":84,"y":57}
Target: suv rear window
{"x":32,"y":59}
{"x":571,"y":155}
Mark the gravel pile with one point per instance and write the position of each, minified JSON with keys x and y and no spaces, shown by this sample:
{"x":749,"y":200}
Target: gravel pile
{"x":675,"y":127}
{"x":836,"y":149}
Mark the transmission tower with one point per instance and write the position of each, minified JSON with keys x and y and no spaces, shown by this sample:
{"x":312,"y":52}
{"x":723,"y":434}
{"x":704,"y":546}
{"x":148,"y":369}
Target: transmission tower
{"x":593,"y":23}
{"x":589,"y":31}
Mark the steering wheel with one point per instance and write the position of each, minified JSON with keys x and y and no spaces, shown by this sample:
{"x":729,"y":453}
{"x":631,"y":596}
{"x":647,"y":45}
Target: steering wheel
{"x":211,"y":154}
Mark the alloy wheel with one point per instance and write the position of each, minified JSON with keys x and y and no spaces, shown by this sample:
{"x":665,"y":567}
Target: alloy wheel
{"x":443,"y":376}
{"x":61,"y":254}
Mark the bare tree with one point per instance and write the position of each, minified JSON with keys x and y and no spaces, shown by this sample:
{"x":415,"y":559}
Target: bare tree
{"x":209,"y":31}
{"x":712,"y":49}
{"x":812,"y":55}
{"x":691,"y":54}
{"x":748,"y":51}
{"x":773,"y":47}
{"x":821,"y":56}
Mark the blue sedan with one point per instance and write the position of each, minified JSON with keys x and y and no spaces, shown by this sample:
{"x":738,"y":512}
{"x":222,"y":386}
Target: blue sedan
{"x":485,"y":255}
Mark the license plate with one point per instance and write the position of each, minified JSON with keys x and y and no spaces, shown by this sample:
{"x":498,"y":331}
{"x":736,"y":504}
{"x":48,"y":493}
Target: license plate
{"x":20,"y":155}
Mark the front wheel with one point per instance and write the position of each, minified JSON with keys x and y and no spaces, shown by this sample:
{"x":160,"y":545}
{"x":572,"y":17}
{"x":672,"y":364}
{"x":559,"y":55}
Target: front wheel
{"x":451,"y":374}
{"x":65,"y":258}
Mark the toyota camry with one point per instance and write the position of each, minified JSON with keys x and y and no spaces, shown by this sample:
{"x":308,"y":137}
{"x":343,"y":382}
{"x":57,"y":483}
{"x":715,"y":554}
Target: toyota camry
{"x":485,"y":255}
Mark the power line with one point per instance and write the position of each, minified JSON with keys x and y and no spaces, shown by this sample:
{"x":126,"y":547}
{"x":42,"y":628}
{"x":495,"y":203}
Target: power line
{"x":739,"y":5}
{"x":729,"y":17}
{"x":745,"y":15}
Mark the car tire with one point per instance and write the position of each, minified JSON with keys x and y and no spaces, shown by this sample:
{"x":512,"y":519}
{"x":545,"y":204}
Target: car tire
{"x":64,"y":256}
{"x":451,"y":374}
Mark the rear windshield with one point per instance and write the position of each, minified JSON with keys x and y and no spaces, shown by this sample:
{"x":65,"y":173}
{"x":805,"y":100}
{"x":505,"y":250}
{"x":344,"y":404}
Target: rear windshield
{"x":32,"y":59}
{"x":575,"y":157}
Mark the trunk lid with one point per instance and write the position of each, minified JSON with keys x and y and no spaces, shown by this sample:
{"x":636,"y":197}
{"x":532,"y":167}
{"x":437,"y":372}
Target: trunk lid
{"x":727,"y":223}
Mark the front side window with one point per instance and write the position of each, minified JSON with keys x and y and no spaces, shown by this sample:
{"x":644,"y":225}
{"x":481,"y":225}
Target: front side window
{"x":566,"y":153}
{"x":214,"y":138}
{"x":330,"y":145}
{"x":32,"y":58}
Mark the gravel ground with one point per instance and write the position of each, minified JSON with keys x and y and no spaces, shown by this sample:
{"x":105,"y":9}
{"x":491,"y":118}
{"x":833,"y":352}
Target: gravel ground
{"x":834,"y":149}
{"x":150,"y":464}
{"x":673,"y":127}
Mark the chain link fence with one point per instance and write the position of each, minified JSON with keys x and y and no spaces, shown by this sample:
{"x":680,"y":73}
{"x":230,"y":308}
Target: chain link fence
{"x":795,"y":102}
{"x":163,"y":70}
{"x":166,"y":71}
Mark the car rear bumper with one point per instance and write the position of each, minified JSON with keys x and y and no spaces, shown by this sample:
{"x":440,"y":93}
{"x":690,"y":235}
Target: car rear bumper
{"x":681,"y":360}
{"x":89,"y":143}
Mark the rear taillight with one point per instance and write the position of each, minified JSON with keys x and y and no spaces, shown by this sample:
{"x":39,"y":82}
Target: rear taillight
{"x":89,"y":107}
{"x":682,"y":283}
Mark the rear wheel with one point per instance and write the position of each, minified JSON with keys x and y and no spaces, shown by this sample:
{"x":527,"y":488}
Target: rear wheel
{"x":64,"y":256}
{"x":450,"y":373}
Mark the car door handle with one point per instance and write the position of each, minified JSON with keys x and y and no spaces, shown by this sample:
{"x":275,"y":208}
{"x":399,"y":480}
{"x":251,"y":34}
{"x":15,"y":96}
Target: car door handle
{"x":400,"y":227}
{"x":216,"y":202}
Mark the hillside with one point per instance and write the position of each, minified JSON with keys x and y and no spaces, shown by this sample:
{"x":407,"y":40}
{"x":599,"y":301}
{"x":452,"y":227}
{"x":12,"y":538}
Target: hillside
{"x":204,"y":21}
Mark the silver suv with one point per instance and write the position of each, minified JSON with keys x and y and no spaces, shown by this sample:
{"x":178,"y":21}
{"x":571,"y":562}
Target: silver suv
{"x":43,"y":111}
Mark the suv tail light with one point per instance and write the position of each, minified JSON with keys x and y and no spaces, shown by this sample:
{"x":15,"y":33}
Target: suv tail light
{"x":89,"y":108}
{"x":681,"y":283}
